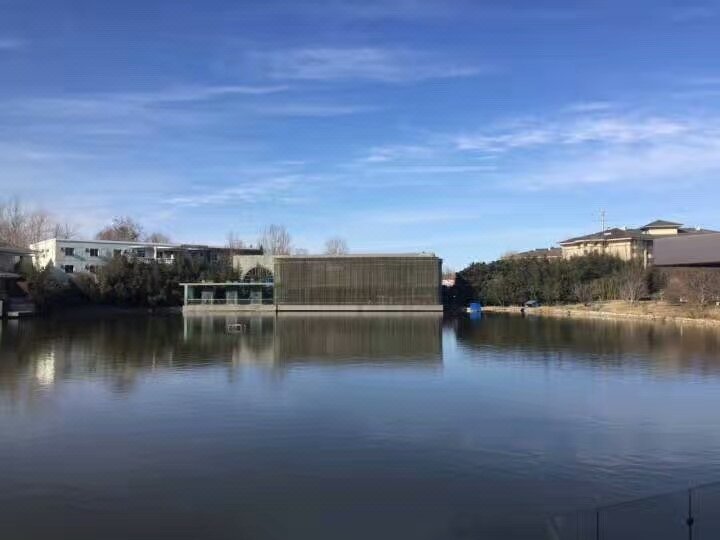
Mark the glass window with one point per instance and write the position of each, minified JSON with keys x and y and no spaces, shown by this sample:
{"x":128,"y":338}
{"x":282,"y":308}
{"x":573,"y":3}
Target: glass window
{"x":68,"y":251}
{"x":117,"y":252}
{"x":94,"y":252}
{"x":69,"y":268}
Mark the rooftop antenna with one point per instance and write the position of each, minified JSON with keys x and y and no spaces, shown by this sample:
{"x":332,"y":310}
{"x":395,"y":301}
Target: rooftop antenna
{"x":602,"y":219}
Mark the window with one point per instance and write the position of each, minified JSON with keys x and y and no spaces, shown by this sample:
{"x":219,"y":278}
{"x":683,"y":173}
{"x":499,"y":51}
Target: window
{"x":68,"y":251}
{"x":94,"y":252}
{"x":69,"y":268}
{"x":91,"y":268}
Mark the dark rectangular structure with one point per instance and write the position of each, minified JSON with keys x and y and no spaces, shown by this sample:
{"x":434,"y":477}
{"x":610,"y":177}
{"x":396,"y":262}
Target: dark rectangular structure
{"x":408,"y":282}
{"x":691,"y":250}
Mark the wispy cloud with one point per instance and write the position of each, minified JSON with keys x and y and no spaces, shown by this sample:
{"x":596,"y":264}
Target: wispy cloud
{"x":423,"y":11}
{"x":579,"y":145}
{"x":123,"y":114}
{"x":692,"y":13}
{"x":11,"y":44}
{"x":368,"y":63}
{"x":418,"y":216}
{"x":311,"y":109}
{"x":670,"y":164}
{"x":438,"y":169}
{"x":23,"y":153}
{"x":588,"y":149}
{"x":383,"y":154}
{"x":590,"y":106}
{"x":577,"y":131}
{"x":248,"y":190}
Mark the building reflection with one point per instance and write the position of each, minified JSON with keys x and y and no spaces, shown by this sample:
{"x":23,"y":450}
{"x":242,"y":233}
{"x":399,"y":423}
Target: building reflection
{"x":40,"y":353}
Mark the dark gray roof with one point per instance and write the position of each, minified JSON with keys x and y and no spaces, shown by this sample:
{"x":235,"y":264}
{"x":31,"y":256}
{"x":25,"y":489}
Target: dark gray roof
{"x":609,"y":234}
{"x":661,"y":224}
{"x":537,"y":253}
{"x":15,"y":250}
{"x":636,"y":234}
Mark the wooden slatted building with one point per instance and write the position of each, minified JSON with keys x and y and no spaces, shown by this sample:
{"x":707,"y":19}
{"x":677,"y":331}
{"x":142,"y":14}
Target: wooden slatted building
{"x":403,"y":282}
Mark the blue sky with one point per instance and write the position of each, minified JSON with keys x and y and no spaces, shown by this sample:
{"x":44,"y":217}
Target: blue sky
{"x":466,"y":128}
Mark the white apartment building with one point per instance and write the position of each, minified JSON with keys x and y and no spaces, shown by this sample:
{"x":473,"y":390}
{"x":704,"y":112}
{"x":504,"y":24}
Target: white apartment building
{"x":87,"y":255}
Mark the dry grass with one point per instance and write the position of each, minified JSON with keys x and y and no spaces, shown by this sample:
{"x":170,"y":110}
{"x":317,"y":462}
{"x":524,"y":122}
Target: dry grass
{"x":652,"y":309}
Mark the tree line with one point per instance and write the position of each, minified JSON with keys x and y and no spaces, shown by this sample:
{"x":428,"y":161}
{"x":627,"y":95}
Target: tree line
{"x":21,"y":226}
{"x":552,"y":281}
{"x":123,"y":281}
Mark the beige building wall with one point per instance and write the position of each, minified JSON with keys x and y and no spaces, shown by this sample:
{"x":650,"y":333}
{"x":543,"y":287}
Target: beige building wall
{"x":627,"y":250}
{"x":671,"y":231}
{"x":623,"y":250}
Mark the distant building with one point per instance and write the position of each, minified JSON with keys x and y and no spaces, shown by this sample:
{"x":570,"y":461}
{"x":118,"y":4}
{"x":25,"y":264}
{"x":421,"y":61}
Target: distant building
{"x":627,"y":244}
{"x":401,"y":282}
{"x":541,"y":253}
{"x":9,"y":259}
{"x":73,"y":256}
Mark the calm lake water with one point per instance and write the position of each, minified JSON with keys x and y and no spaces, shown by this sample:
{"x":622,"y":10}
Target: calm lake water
{"x":344,"y":427}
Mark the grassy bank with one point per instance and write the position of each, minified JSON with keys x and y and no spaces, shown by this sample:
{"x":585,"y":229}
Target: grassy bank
{"x":648,"y":311}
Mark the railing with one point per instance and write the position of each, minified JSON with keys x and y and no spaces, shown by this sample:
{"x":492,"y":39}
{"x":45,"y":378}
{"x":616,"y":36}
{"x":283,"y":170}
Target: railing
{"x":166,"y":260}
{"x":227,"y":301}
{"x":688,"y":514}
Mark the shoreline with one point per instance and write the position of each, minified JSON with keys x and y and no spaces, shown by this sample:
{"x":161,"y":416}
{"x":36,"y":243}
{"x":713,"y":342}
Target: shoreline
{"x":575,"y":311}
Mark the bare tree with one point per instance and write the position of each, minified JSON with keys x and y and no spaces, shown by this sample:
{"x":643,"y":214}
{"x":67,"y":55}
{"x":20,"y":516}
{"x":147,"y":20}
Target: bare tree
{"x":632,"y":284}
{"x":121,"y":228}
{"x":65,"y":231}
{"x":21,"y":227}
{"x":695,"y":285}
{"x":336,"y":246}
{"x":158,"y":238}
{"x":448,"y":272}
{"x":583,"y":292}
{"x":233,"y":241}
{"x":275,"y":240}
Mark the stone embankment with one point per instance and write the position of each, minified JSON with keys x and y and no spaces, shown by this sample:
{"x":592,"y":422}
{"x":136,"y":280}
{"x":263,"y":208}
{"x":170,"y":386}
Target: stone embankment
{"x":639,"y":311}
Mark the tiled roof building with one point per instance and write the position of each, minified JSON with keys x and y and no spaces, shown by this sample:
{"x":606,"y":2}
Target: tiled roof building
{"x":628,"y":244}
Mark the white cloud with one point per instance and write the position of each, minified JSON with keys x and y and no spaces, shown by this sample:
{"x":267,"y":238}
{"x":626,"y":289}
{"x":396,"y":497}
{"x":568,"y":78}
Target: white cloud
{"x":311,"y":109}
{"x":607,"y":129}
{"x":250,"y":190}
{"x":692,"y":13}
{"x":368,"y":63}
{"x":11,"y":44}
{"x":418,"y":216}
{"x":202,"y":93}
{"x":581,"y":146}
{"x":435,"y":169}
{"x":419,"y":10}
{"x":669,"y":164}
{"x":590,"y":106}
{"x":124,"y":114}
{"x":382,"y":154}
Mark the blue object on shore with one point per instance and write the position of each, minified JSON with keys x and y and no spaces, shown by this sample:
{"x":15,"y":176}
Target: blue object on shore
{"x":475,"y":307}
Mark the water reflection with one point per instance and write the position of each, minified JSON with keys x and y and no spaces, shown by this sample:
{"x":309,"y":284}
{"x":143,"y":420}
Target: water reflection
{"x":661,"y":348}
{"x":354,"y":427}
{"x":122,"y":348}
